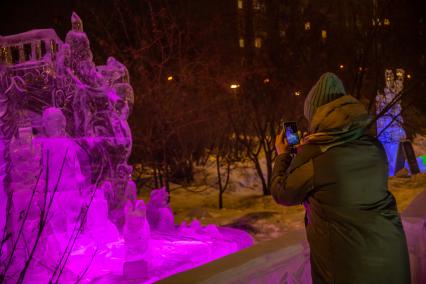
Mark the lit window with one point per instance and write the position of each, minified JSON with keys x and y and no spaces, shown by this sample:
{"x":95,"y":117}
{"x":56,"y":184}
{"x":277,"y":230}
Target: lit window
{"x":256,"y":5}
{"x":234,"y":86}
{"x":258,"y":42}
{"x":240,"y":4}
{"x":307,"y":26}
{"x":241,"y":42}
{"x":324,"y":34}
{"x":386,"y":22}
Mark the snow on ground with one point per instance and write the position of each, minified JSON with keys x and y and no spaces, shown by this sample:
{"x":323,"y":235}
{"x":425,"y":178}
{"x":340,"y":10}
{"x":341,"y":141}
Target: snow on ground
{"x":406,"y":189}
{"x":246,"y":208}
{"x":419,"y":146}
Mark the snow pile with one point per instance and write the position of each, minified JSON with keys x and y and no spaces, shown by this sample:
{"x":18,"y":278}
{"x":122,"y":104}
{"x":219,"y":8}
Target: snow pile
{"x":246,"y":208}
{"x":419,"y":146}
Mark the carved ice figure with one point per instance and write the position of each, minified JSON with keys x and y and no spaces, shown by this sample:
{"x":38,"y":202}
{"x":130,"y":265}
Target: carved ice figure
{"x":195,"y":228}
{"x":62,"y":177}
{"x":118,"y":193}
{"x":63,"y":60}
{"x":389,"y":126}
{"x":98,"y":227}
{"x":66,"y":118}
{"x":58,"y":149}
{"x":136,"y":230}
{"x":81,"y":55}
{"x":25,"y":160}
{"x":159,"y":213}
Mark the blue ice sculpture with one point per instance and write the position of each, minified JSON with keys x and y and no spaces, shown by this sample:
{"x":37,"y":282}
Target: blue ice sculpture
{"x":389,"y":126}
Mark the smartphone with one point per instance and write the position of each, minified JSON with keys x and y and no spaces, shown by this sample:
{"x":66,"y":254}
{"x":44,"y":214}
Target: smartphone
{"x":291,"y":135}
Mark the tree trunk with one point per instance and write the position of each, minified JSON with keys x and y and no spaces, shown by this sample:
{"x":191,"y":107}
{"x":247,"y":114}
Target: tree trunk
{"x":268,"y":155}
{"x":265,"y":188}
{"x":167,"y":183}
{"x":156,"y":177}
{"x":219,"y":181}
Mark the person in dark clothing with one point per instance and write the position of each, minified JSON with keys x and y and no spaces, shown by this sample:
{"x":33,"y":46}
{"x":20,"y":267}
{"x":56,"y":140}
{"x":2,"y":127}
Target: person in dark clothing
{"x":340,"y":175}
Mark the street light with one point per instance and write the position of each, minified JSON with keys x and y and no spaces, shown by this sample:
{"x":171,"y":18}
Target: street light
{"x":170,"y":78}
{"x":307,"y":26}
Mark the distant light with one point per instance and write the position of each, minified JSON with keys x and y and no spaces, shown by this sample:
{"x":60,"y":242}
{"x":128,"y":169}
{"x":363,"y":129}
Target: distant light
{"x":170,"y":78}
{"x":258,"y":42}
{"x":240,"y":4}
{"x":241,"y":42}
{"x":266,"y":81}
{"x":307,"y":26}
{"x":341,"y":66}
{"x":408,"y":76}
{"x":360,"y":69}
{"x":324,"y":34}
{"x":234,"y":86}
{"x":297,"y":93}
{"x":386,"y":22}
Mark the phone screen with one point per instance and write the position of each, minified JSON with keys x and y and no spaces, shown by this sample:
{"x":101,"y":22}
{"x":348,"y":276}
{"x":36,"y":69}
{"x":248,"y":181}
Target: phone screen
{"x":291,"y":133}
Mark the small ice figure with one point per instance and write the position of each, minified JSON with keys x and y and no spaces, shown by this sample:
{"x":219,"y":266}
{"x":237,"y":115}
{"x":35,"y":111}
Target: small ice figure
{"x":159,"y":213}
{"x":118,"y":192}
{"x":62,"y":167}
{"x":136,"y":229}
{"x":76,"y":22}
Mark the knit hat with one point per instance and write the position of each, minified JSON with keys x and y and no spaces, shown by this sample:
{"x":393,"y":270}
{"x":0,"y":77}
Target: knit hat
{"x":326,"y":89}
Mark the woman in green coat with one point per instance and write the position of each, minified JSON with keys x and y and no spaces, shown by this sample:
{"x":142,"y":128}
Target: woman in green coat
{"x":340,"y":175}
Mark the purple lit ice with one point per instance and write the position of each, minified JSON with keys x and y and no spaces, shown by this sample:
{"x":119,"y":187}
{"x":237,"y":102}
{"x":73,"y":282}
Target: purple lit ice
{"x":68,"y":207}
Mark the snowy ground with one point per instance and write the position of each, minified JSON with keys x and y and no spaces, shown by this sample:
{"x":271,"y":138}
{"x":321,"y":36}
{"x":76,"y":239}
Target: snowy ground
{"x":246,"y":208}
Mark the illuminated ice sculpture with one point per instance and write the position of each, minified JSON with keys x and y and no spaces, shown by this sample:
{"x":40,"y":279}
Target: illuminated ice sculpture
{"x":68,"y":210}
{"x":389,"y":126}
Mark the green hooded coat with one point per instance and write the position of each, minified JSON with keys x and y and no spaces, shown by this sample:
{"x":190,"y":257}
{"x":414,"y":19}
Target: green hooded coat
{"x":340,"y":175}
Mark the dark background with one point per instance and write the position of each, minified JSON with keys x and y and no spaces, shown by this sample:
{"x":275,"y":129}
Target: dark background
{"x":198,"y":43}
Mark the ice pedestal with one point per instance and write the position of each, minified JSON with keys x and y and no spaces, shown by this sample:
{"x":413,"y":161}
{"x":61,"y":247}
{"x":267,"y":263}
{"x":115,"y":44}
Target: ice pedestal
{"x":282,"y":260}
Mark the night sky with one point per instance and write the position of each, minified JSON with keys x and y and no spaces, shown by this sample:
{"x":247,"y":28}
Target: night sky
{"x":20,"y":16}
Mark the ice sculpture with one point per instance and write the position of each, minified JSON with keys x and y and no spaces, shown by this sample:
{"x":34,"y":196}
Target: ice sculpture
{"x":69,"y":210}
{"x":389,"y":126}
{"x":159,"y":213}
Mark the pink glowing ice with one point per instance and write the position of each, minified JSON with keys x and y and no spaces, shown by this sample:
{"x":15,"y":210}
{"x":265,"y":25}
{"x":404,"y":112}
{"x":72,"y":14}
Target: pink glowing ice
{"x":68,"y":209}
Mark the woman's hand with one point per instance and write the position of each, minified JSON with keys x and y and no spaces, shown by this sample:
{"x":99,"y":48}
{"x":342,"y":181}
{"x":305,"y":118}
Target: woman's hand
{"x":281,"y":144}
